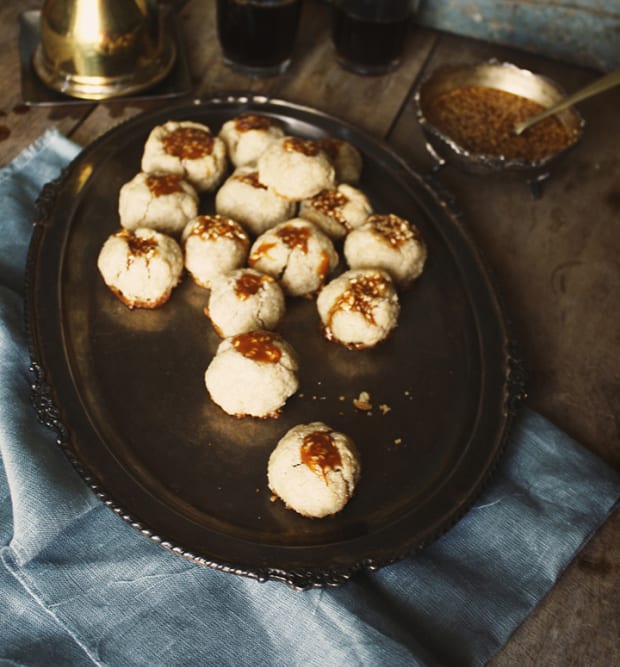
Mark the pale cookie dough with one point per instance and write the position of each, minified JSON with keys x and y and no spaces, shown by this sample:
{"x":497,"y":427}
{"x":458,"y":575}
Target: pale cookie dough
{"x":314,"y":470}
{"x":245,"y":199}
{"x":295,"y":168}
{"x":141,"y":267}
{"x":297,"y":253}
{"x":388,"y":242}
{"x":164,"y":202}
{"x":337,"y":211}
{"x":253,"y":374}
{"x":248,"y":135}
{"x":213,"y":245}
{"x":189,"y":149}
{"x":347,"y":160}
{"x":359,"y":308}
{"x":244,"y":300}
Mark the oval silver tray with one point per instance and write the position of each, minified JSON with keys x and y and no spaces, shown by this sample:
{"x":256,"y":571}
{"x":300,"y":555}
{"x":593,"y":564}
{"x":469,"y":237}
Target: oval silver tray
{"x":124,"y":389}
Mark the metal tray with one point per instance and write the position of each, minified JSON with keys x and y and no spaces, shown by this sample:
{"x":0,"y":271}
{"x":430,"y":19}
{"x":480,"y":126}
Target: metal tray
{"x":124,"y":389}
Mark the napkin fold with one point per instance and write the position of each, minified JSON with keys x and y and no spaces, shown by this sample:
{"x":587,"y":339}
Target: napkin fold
{"x":78,"y":585}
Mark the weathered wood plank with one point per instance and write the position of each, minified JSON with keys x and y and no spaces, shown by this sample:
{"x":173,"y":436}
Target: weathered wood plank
{"x":566,"y":269}
{"x":553,"y":258}
{"x":20,"y":125}
{"x":314,"y":79}
{"x":371,"y":103}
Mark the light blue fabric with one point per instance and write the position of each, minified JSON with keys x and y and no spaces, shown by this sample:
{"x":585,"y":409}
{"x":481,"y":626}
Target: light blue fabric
{"x":79,"y":586}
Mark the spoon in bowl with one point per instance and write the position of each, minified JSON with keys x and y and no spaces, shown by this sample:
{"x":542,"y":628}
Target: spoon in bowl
{"x":604,"y":83}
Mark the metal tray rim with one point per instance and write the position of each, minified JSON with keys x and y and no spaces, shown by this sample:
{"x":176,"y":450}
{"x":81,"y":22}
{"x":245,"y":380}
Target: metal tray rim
{"x":48,"y":405}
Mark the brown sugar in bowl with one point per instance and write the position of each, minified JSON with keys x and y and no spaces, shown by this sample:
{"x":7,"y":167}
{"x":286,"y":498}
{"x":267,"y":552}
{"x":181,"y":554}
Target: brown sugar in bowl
{"x":468,"y":113}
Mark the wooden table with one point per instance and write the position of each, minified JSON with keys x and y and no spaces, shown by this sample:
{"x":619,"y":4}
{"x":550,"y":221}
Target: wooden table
{"x":556,"y":258}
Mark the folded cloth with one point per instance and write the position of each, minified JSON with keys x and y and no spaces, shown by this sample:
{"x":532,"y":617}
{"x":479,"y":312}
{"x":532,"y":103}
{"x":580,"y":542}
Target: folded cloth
{"x":78,"y":585}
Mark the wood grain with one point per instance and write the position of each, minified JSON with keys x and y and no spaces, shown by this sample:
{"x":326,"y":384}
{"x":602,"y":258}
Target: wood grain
{"x":20,"y":125}
{"x":555,"y":261}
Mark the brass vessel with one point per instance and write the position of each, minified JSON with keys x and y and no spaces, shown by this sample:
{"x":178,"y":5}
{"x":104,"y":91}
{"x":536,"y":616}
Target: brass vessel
{"x":99,"y":49}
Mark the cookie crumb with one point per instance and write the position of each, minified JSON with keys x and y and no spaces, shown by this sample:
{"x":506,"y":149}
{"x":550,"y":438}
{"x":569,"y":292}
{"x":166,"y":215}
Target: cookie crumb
{"x":384,"y":408}
{"x":398,"y":441}
{"x":362,"y":402}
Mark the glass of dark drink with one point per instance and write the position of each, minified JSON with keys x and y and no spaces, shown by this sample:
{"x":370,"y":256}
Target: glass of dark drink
{"x":257,"y":36}
{"x":369,"y":35}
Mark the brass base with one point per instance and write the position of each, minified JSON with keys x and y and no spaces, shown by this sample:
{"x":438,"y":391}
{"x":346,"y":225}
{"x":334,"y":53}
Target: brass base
{"x":101,"y":87}
{"x":35,"y":92}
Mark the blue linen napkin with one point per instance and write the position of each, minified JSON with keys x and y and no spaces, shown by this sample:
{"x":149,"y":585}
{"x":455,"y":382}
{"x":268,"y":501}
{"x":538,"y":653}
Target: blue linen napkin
{"x":78,"y":585}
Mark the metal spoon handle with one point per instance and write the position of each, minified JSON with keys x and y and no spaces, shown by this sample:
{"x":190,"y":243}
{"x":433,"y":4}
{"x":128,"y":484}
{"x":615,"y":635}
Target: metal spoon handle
{"x":610,"y":80}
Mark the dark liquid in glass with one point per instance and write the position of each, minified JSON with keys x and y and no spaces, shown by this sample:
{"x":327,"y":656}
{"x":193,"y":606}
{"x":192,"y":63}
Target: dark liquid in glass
{"x":257,"y":34}
{"x":368,"y":46}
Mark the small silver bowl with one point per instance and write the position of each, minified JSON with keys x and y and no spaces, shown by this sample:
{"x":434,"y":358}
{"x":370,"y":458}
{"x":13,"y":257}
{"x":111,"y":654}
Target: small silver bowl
{"x":101,"y":50}
{"x":499,"y":76}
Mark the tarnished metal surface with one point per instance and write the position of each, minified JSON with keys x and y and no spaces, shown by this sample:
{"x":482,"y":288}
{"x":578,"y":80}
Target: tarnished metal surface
{"x":137,"y":418}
